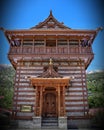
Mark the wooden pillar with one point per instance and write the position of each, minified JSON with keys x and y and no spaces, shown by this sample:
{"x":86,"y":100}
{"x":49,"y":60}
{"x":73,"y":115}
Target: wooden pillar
{"x":41,"y":101}
{"x":61,"y":96}
{"x":62,"y":100}
{"x":37,"y":111}
{"x":58,"y":100}
{"x":64,"y":112}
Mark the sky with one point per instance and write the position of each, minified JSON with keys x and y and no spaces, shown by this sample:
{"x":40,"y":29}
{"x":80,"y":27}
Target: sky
{"x":76,"y":14}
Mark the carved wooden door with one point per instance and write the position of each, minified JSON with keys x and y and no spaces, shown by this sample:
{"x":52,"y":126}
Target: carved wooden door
{"x":49,"y":105}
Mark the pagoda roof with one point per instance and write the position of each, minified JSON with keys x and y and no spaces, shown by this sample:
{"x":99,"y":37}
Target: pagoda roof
{"x":50,"y":23}
{"x":50,"y":72}
{"x":50,"y":27}
{"x":50,"y":77}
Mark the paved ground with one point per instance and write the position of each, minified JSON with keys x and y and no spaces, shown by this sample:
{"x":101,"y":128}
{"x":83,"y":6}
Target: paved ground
{"x":3,"y":128}
{"x":82,"y":126}
{"x":8,"y":128}
{"x":56,"y":129}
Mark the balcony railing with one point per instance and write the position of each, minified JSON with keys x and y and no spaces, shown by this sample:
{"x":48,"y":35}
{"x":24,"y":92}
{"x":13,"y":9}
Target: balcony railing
{"x":50,"y":50}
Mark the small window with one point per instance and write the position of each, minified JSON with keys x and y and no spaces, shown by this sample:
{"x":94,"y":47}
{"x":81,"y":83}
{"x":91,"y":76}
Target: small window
{"x":27,"y":42}
{"x":50,"y":43}
{"x":39,"y":42}
{"x":73,"y":42}
{"x":61,"y":42}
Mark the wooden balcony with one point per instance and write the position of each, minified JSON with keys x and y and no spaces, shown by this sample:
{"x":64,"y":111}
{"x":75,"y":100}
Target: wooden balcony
{"x":50,"y":50}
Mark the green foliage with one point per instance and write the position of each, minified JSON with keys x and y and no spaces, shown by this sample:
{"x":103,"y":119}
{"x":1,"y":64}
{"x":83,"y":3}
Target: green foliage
{"x":96,"y":101}
{"x":95,"y":84}
{"x":6,"y":86}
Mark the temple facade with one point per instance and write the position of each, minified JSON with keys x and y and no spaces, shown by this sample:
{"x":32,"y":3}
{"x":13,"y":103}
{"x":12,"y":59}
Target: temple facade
{"x":50,"y":60}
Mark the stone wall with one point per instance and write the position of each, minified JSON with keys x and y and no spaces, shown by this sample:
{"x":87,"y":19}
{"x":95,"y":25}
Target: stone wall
{"x":76,"y":96}
{"x":24,"y":93}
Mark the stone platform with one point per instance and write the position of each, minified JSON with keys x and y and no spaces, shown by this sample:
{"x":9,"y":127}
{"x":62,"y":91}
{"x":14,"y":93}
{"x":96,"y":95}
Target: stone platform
{"x":72,"y":125}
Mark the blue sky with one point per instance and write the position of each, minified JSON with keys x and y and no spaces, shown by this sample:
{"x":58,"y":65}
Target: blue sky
{"x":77,"y":14}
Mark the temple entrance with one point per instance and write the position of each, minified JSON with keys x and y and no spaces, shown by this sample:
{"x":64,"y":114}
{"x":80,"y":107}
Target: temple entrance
{"x":49,"y":103}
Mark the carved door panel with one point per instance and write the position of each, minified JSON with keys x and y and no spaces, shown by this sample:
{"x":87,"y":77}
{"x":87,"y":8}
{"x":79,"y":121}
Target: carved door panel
{"x":49,"y":105}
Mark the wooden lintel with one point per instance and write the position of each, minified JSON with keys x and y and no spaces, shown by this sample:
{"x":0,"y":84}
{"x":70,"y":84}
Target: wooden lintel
{"x":47,"y":81}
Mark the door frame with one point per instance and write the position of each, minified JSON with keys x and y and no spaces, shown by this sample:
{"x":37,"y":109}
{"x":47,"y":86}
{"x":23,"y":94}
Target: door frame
{"x":50,"y":91}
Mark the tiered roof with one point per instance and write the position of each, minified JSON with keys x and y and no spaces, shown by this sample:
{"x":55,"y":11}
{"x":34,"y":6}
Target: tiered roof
{"x":50,"y":22}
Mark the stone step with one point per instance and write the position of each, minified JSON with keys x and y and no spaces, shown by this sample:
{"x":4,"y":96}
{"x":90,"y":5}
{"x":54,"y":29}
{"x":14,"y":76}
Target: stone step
{"x":50,"y":118}
{"x":49,"y":122}
{"x":49,"y":127}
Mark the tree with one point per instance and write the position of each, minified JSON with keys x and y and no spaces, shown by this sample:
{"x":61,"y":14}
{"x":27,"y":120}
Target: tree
{"x":6,"y":86}
{"x":95,"y":85}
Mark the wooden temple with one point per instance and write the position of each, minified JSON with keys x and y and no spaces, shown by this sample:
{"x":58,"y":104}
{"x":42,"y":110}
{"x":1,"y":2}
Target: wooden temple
{"x":50,"y":60}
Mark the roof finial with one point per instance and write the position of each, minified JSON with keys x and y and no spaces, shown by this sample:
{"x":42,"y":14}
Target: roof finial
{"x":50,"y":12}
{"x":50,"y":61}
